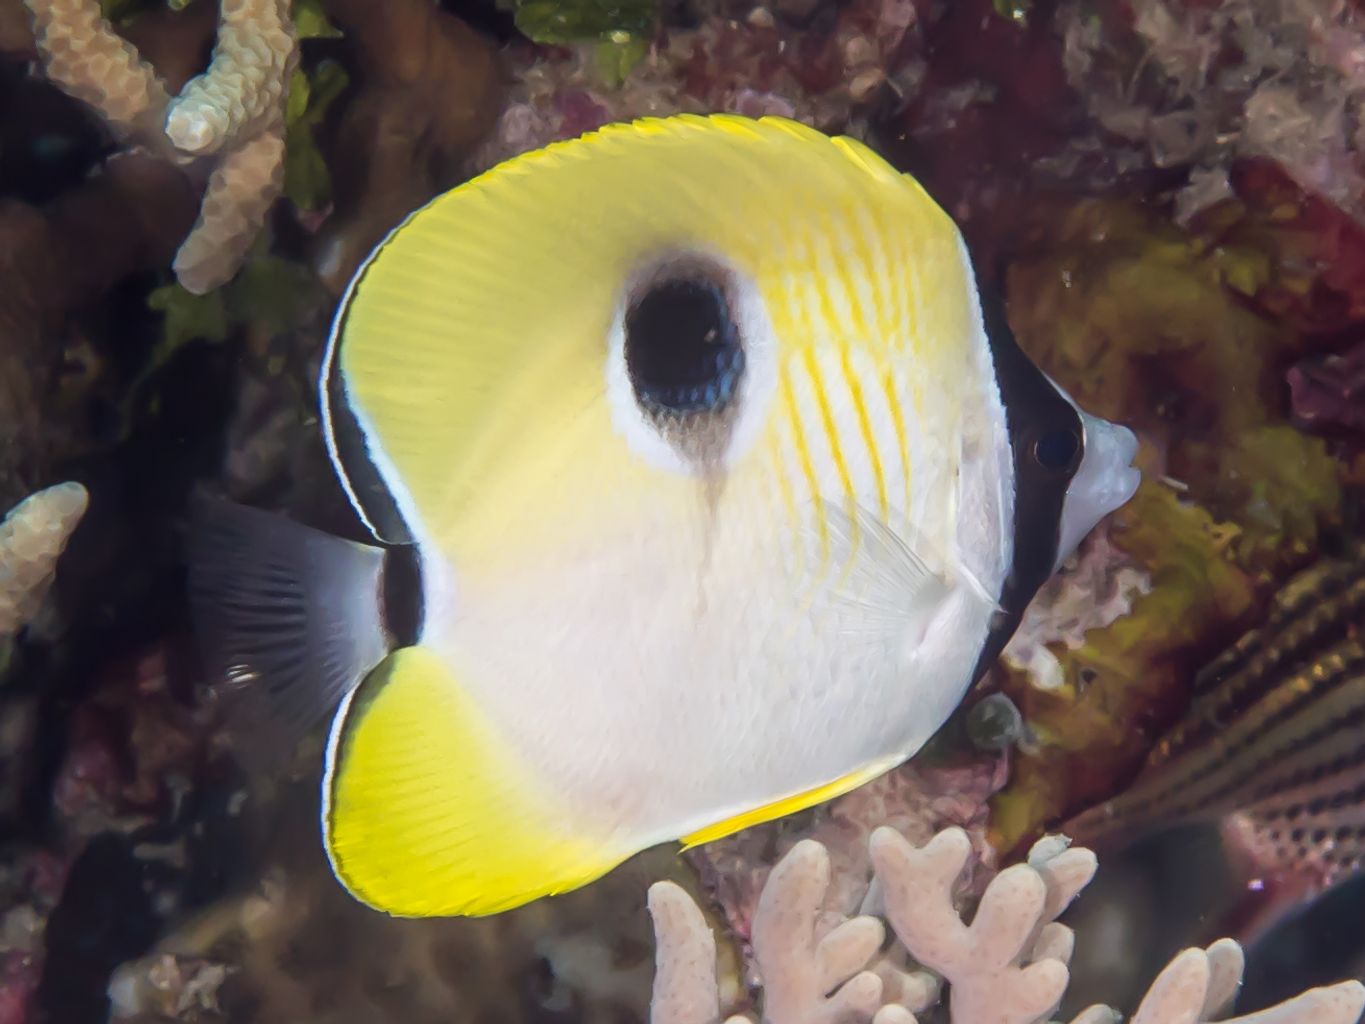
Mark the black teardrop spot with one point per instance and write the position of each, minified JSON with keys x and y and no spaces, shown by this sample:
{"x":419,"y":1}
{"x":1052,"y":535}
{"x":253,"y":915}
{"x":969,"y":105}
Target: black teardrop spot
{"x":683,"y":348}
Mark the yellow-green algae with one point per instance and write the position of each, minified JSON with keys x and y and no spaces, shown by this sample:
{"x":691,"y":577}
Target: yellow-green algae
{"x":1148,"y":324}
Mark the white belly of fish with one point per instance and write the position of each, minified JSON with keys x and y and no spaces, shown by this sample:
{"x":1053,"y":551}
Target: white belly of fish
{"x":697,"y":666}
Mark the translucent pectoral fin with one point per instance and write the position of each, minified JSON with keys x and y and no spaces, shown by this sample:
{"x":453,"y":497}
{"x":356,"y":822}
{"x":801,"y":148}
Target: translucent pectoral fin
{"x":428,"y":812}
{"x":890,"y":586}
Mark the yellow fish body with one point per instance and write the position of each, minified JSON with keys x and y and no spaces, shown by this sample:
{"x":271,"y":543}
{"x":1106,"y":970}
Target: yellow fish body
{"x":708,"y":490}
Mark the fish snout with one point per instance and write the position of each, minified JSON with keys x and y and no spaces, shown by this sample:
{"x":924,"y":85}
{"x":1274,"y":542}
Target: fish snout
{"x":1118,"y":448}
{"x":1105,"y":481}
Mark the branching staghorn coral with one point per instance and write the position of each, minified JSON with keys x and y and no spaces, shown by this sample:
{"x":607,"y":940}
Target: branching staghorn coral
{"x":32,"y":537}
{"x":917,"y":799}
{"x":226,"y":125}
{"x":1009,"y":966}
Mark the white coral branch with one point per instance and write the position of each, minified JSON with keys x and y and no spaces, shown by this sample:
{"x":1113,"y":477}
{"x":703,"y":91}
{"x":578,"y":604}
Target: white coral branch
{"x":87,"y":59}
{"x":912,"y":990}
{"x":809,"y":981}
{"x":1226,"y":964}
{"x":685,"y":990}
{"x":243,"y":91}
{"x":985,"y":962}
{"x":233,"y":112}
{"x":32,"y":537}
{"x":240,"y":192}
{"x":1198,"y":985}
{"x":1098,"y":1015}
{"x":1007,"y":967}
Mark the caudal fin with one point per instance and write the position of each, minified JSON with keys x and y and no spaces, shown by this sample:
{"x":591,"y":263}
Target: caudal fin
{"x":288,"y":619}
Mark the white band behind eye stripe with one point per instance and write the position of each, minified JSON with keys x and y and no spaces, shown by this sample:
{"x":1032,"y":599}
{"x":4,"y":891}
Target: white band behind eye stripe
{"x":756,"y":384}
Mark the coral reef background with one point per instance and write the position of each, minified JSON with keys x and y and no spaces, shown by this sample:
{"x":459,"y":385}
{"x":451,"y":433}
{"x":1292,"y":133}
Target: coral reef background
{"x":1169,"y":193}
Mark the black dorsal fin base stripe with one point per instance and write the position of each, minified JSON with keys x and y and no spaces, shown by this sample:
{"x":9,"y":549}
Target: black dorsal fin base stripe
{"x":402,"y":606}
{"x":373,"y":500}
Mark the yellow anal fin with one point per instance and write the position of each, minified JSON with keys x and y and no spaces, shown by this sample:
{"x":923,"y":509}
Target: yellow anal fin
{"x":428,"y":812}
{"x":787,"y":805}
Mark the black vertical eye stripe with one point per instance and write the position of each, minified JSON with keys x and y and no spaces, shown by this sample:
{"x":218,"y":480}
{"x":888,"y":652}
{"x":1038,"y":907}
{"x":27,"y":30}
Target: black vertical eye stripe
{"x":1047,"y":441}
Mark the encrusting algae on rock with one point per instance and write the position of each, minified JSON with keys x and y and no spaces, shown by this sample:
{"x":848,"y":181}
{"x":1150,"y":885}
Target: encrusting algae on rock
{"x":1156,"y":326}
{"x":1203,"y":84}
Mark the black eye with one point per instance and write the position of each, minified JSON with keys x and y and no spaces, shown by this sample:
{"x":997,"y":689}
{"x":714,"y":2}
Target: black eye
{"x":683,"y":348}
{"x":1058,"y":450}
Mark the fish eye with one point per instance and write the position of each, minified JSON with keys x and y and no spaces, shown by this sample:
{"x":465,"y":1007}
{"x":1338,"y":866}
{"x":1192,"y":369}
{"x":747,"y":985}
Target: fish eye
{"x":682,"y":346}
{"x":1059,"y":450}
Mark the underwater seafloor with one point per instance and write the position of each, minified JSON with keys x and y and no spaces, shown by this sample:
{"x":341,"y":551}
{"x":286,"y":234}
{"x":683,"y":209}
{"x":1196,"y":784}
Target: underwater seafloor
{"x":1170,"y":193}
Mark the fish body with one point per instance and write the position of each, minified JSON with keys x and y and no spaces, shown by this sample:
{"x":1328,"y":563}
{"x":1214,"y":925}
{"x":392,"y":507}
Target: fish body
{"x":716,"y":485}
{"x":1272,"y":736}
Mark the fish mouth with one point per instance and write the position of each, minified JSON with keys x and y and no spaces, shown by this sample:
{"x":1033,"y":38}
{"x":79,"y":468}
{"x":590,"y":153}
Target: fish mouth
{"x":1111,"y":453}
{"x":1128,"y":477}
{"x":1104,"y":483}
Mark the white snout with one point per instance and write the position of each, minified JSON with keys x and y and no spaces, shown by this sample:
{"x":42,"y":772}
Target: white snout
{"x":1104,"y":482}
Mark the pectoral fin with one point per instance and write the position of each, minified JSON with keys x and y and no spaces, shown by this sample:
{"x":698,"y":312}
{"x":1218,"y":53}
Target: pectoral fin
{"x":890,"y":586}
{"x":429,"y":812}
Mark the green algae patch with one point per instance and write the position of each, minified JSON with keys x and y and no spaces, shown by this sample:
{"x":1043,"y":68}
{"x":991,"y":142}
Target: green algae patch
{"x":574,"y":21}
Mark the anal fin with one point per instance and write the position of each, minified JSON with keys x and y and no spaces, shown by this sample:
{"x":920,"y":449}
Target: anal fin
{"x":428,"y":812}
{"x":787,"y":805}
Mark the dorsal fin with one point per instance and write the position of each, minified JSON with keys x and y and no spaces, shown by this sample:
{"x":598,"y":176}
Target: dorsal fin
{"x":348,"y":444}
{"x":502,"y":292}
